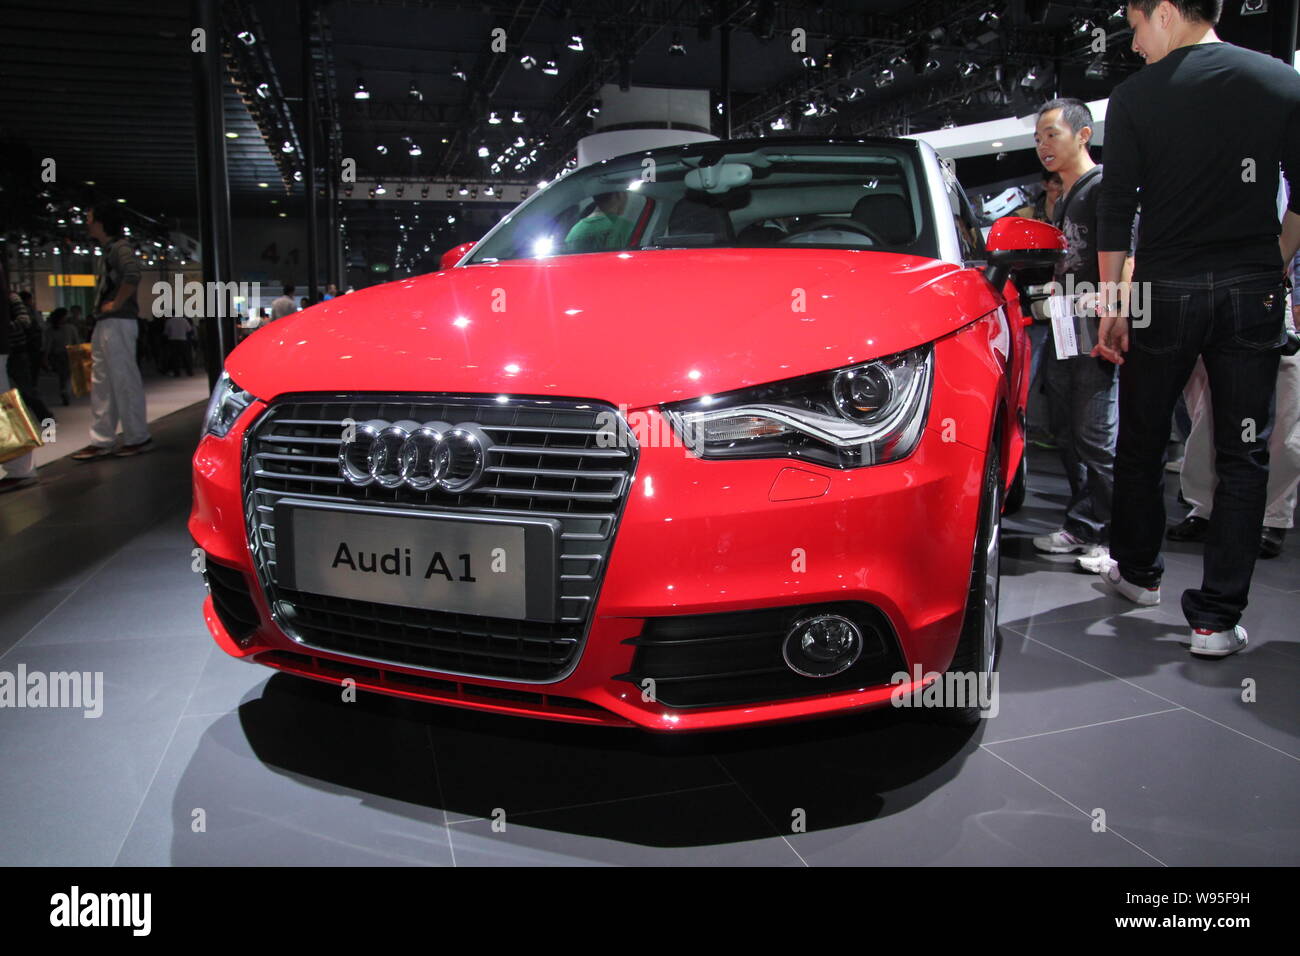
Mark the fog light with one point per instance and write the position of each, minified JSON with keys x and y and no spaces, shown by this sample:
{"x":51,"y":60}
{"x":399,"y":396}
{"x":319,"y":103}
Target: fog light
{"x":822,"y":646}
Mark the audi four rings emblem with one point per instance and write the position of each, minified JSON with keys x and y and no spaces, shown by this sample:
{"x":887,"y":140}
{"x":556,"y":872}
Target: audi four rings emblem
{"x":420,"y":457}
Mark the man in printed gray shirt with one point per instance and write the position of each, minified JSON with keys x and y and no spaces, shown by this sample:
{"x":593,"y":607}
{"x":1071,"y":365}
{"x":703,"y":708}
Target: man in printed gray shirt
{"x":116,"y":389}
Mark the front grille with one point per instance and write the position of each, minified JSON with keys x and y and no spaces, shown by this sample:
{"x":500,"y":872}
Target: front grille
{"x":715,"y":660}
{"x":544,"y":461}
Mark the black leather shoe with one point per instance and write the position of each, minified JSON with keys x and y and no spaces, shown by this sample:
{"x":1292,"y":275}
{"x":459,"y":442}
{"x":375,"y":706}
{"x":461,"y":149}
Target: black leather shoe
{"x":1270,"y":542}
{"x":1189,"y":529}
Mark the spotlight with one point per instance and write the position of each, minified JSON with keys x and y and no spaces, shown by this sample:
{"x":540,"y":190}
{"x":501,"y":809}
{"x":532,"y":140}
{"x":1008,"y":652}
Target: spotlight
{"x":286,"y":147}
{"x":854,"y":94}
{"x":897,"y":61}
{"x":990,"y":19}
{"x":263,"y":90}
{"x":810,"y":109}
{"x":361,"y":92}
{"x":677,"y":48}
{"x":594,"y":109}
{"x":930,"y":65}
{"x":517,"y":117}
{"x":490,"y":191}
{"x":297,"y":175}
{"x":551,"y":68}
{"x":415,"y":93}
{"x":381,"y":149}
{"x":463,"y":191}
{"x":968,"y":68}
{"x":247,"y":38}
{"x":884,"y":77}
{"x":231,"y":134}
{"x":458,"y":74}
{"x":779,"y":124}
{"x":519,"y":142}
{"x":414,"y":149}
{"x":494,"y":119}
{"x":575,"y":42}
{"x":379,"y":189}
{"x":527,"y":61}
{"x":810,"y":61}
{"x":483,"y":152}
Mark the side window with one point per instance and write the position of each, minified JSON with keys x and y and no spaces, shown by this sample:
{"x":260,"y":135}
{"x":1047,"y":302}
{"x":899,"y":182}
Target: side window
{"x":969,"y":234}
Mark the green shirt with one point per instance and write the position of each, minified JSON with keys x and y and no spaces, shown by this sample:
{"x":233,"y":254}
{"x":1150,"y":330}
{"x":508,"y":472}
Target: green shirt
{"x":597,"y":233}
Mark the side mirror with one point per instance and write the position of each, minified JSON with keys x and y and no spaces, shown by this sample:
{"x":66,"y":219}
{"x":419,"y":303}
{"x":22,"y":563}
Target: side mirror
{"x":454,"y":255}
{"x":1016,"y":243}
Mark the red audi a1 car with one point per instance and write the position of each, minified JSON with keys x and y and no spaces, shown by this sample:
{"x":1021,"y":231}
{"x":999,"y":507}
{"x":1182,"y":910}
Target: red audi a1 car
{"x":695,"y":438}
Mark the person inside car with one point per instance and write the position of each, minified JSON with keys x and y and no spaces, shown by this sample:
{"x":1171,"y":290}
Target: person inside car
{"x":603,"y":228}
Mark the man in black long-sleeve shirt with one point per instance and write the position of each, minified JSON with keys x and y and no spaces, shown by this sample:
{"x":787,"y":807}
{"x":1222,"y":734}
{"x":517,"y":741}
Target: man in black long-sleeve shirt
{"x":1201,"y":131}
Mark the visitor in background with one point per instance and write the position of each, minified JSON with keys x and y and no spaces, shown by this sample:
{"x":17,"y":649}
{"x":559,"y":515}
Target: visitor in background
{"x":62,"y":334}
{"x":283,"y":304}
{"x":1199,"y":133}
{"x":19,"y":472}
{"x":116,"y":389}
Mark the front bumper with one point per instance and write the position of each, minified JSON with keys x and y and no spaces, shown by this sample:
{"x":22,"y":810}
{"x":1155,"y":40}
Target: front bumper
{"x":696,"y":537}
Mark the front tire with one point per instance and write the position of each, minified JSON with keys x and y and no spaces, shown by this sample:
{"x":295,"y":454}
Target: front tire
{"x":977,"y":648}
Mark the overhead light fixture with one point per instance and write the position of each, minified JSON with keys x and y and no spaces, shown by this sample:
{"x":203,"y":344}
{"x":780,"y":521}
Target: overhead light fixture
{"x":551,"y":68}
{"x":810,"y":109}
{"x":458,"y":74}
{"x":361,"y":92}
{"x":594,"y":109}
{"x":884,"y":77}
{"x":379,"y":189}
{"x":948,"y":123}
{"x":496,"y":167}
{"x":259,"y":186}
{"x":854,"y":94}
{"x":676,"y":47}
{"x":517,"y":117}
{"x":414,"y":149}
{"x":930,"y":65}
{"x":381,"y":149}
{"x":264,"y":90}
{"x":575,"y":42}
{"x":990,"y":18}
{"x":968,"y":68}
{"x":810,"y":61}
{"x":897,"y":61}
{"x":494,"y":119}
{"x":528,"y":61}
{"x":779,"y":124}
{"x":490,"y":191}
{"x":997,"y":144}
{"x":483,"y":152}
{"x":286,"y":147}
{"x":247,"y":38}
{"x":297,"y":177}
{"x":519,"y":142}
{"x":231,"y":134}
{"x":463,"y":191}
{"x":414,"y":92}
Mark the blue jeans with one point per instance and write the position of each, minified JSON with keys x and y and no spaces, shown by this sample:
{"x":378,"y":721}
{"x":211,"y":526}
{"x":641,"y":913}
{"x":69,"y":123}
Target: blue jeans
{"x":1233,"y":320}
{"x":1081,"y":394}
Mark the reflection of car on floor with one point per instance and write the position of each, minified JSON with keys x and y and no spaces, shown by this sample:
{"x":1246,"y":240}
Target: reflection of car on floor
{"x":740,"y":459}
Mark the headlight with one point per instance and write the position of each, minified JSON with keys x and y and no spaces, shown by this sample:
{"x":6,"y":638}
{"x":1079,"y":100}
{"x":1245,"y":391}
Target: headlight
{"x":227,"y":403}
{"x":865,"y":414}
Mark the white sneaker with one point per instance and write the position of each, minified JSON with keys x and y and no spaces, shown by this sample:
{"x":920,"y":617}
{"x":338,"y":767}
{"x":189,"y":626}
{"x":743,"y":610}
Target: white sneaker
{"x":1060,"y":542}
{"x":1207,"y":643}
{"x":1146,"y":597}
{"x":1095,"y":560}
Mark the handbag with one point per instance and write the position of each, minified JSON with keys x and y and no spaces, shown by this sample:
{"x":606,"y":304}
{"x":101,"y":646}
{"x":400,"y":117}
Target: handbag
{"x":81,"y":362}
{"x":18,"y":432}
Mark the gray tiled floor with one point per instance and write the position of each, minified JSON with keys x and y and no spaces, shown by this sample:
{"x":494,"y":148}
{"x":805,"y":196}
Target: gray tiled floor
{"x":200,"y":759}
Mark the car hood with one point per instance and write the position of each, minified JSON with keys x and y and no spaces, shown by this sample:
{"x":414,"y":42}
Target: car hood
{"x":631,"y":328}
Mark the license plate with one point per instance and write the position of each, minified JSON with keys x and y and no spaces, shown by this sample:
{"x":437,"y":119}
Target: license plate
{"x":445,"y":562}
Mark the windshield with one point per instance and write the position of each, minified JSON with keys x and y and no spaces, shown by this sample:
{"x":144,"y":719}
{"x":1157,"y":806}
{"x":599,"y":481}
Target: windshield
{"x":836,"y":196}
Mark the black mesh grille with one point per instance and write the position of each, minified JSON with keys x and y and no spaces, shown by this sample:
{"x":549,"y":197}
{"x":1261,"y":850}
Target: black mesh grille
{"x":545,"y":460}
{"x":712,"y":660}
{"x":232,"y":600}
